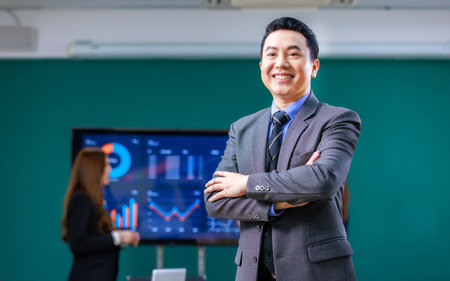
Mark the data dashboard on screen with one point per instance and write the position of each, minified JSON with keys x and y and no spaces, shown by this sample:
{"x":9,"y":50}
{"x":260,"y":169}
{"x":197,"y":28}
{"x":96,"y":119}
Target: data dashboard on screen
{"x":157,"y":182}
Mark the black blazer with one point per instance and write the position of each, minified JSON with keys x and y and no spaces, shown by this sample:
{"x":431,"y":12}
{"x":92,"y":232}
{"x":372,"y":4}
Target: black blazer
{"x":95,"y":255}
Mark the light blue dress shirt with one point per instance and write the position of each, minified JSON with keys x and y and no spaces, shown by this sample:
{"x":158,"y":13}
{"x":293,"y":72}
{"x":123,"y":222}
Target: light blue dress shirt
{"x":292,"y":111}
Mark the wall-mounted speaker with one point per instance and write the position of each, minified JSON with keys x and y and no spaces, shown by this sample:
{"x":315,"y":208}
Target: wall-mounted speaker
{"x":18,"y":38}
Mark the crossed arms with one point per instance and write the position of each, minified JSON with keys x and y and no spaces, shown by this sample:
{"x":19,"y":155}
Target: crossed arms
{"x":233,"y":195}
{"x":229,"y":185}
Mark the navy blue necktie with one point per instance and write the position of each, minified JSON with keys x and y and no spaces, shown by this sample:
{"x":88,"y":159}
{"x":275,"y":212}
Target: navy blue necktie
{"x":279,"y":118}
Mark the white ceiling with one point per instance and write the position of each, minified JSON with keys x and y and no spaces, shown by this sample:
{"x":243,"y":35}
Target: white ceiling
{"x":199,"y":4}
{"x":369,"y":28}
{"x":402,"y":4}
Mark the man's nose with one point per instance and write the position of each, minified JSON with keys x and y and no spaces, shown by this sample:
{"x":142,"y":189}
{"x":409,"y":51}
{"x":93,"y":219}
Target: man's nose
{"x":281,"y":61}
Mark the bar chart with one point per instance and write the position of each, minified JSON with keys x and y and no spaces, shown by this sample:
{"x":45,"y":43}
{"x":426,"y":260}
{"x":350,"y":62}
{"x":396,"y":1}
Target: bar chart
{"x":127,"y":216}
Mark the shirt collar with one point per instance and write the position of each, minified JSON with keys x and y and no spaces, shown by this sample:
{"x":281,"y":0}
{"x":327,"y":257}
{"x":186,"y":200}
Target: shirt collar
{"x":292,"y":109}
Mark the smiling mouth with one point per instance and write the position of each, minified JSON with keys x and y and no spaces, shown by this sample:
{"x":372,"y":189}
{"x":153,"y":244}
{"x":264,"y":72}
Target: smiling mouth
{"x":283,"y":77}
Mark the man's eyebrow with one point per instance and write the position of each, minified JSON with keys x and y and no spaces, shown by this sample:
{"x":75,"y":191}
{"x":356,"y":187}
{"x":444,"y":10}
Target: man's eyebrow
{"x":294,"y":47}
{"x":270,"y":48}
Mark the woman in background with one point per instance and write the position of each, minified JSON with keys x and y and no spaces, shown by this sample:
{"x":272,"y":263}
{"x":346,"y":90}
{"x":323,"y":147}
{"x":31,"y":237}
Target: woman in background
{"x":86,"y":224}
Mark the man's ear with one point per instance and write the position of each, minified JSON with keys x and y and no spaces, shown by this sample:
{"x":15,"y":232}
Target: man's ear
{"x":315,"y":68}
{"x":259,"y":65}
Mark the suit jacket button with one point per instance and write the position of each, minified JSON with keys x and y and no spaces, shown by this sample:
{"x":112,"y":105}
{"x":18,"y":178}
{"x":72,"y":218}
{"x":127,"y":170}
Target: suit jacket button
{"x":267,"y":188}
{"x":257,"y":216}
{"x":255,"y":259}
{"x":257,"y":188}
{"x":250,"y":215}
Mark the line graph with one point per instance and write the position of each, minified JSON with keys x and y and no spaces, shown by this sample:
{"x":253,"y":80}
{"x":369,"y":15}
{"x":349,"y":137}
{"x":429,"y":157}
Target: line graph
{"x":222,"y":225}
{"x":167,"y":216}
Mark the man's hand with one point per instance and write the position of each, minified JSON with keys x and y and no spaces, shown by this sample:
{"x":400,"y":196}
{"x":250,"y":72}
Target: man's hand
{"x":227,"y":184}
{"x":230,"y":184}
{"x":313,"y":158}
{"x":285,"y":205}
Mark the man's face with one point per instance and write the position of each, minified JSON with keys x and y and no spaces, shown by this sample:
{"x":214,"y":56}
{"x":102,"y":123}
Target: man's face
{"x":286,"y":66}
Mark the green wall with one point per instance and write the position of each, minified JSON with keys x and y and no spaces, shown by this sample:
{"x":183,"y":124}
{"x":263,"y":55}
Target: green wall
{"x":399,"y":180}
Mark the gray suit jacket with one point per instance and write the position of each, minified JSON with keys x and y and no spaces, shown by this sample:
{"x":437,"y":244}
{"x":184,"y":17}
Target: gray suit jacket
{"x":309,"y":242}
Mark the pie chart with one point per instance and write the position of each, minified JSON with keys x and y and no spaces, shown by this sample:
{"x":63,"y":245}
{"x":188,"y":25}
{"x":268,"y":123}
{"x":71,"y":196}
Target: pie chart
{"x":120,"y":159}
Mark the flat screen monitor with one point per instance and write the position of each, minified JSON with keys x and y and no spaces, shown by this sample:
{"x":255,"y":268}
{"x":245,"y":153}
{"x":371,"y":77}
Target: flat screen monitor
{"x":157,"y":182}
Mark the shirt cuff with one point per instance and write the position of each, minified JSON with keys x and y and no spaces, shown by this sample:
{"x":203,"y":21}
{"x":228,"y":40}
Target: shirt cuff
{"x":273,"y":213}
{"x":116,"y":238}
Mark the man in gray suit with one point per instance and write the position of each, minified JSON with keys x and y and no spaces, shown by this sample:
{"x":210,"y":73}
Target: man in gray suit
{"x":271,"y":178}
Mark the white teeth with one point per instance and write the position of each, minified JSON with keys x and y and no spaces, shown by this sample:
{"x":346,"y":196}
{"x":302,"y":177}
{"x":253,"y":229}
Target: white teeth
{"x":283,"y":76}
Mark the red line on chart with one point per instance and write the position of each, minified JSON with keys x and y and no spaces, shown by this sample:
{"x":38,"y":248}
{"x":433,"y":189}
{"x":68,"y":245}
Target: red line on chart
{"x":182,"y":216}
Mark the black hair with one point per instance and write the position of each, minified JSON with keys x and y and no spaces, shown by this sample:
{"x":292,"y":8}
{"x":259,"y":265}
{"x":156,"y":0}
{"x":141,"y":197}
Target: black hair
{"x":287,"y":23}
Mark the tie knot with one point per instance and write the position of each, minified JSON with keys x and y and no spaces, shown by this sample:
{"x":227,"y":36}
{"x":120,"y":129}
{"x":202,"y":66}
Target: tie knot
{"x":280,"y":117}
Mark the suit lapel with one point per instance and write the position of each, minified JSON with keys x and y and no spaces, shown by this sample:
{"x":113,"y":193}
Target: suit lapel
{"x":295,"y":130}
{"x":259,"y":142}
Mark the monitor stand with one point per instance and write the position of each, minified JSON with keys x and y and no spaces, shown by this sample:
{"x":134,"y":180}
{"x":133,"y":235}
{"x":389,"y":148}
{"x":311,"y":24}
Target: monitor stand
{"x":201,"y":261}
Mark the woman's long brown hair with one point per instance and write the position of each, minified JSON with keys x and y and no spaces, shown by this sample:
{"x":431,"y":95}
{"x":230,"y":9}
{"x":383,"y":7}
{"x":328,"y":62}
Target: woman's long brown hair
{"x":86,"y":176}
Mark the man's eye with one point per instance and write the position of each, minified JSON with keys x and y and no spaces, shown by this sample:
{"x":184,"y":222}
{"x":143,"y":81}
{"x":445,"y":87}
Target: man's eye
{"x":270,"y":54}
{"x":293,"y":54}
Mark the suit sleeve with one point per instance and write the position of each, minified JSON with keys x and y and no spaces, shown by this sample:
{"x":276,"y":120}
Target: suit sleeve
{"x":240,"y":208}
{"x":81,"y":240}
{"x":319,"y":181}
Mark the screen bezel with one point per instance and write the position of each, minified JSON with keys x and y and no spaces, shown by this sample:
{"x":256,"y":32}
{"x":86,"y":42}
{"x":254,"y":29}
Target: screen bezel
{"x":76,"y":146}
